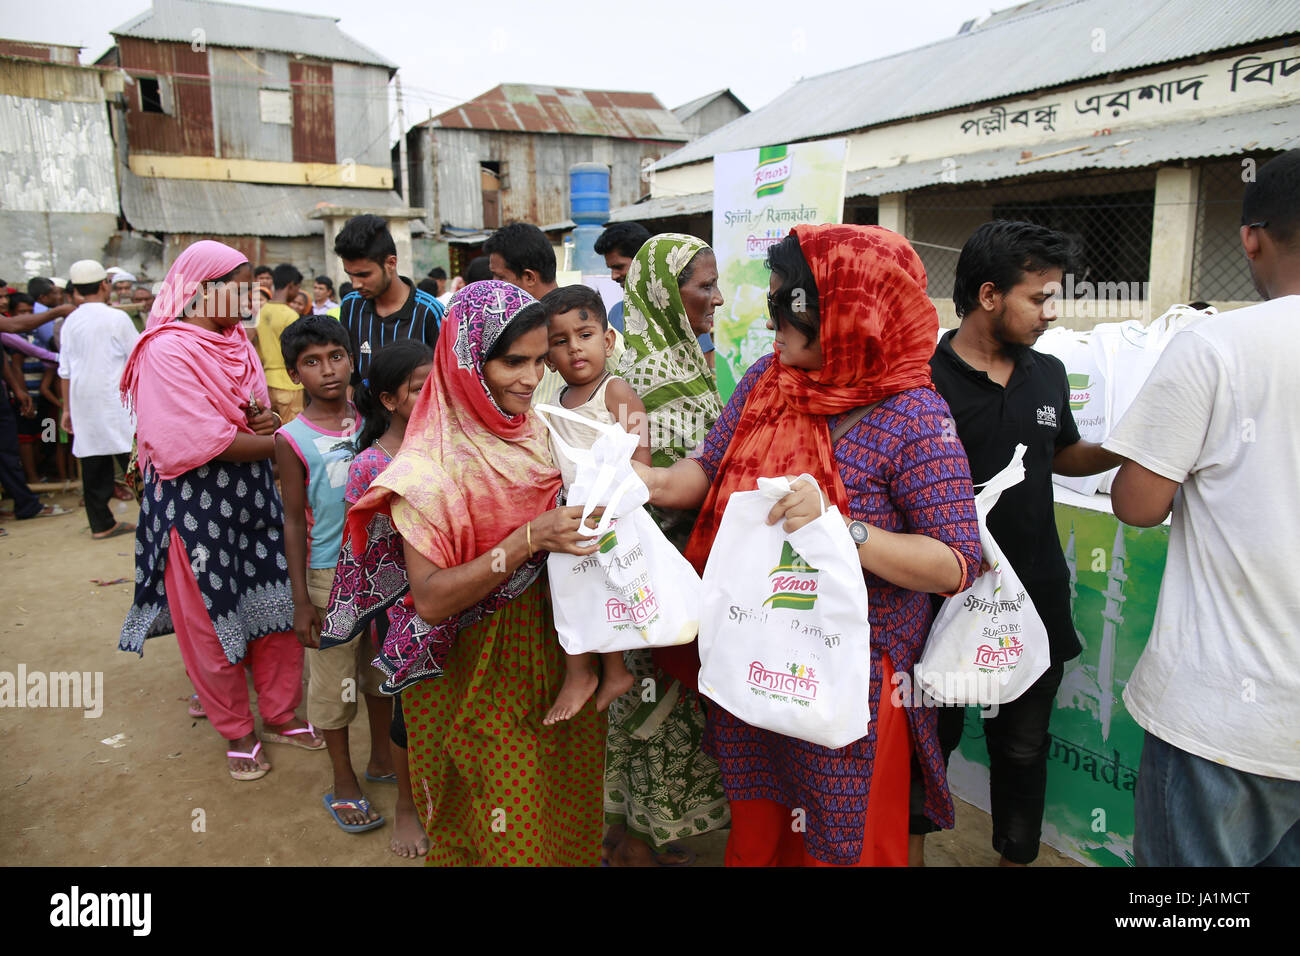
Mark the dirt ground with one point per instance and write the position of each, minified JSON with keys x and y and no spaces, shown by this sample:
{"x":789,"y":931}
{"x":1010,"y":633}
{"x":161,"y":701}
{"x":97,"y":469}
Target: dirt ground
{"x":72,"y":799}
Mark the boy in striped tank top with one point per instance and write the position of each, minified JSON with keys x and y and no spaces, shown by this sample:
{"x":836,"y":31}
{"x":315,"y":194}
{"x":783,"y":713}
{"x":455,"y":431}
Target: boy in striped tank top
{"x":313,"y":453}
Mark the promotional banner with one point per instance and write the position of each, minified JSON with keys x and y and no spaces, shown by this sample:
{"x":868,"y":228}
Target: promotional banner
{"x":1095,"y":746}
{"x":758,"y":196}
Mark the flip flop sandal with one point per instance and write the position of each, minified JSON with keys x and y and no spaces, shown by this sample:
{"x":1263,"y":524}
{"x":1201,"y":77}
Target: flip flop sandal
{"x":122,"y":527}
{"x":257,"y":774}
{"x":386,"y":778}
{"x":49,"y":511}
{"x":288,"y":735}
{"x":362,"y":805}
{"x":196,"y":708}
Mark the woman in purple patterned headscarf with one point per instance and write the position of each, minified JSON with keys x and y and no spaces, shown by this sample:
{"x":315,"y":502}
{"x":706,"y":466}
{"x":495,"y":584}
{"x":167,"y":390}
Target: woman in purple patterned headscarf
{"x":466,"y":513}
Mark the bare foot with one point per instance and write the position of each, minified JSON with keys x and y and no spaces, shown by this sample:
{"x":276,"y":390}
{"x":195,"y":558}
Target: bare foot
{"x":574,"y":693}
{"x":351,"y":790}
{"x":633,"y":851}
{"x":245,"y":745}
{"x":409,"y":840}
{"x":612,"y":687}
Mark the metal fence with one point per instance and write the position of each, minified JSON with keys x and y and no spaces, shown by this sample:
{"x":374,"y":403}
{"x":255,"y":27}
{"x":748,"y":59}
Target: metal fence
{"x":1219,"y":270}
{"x":1108,"y":214}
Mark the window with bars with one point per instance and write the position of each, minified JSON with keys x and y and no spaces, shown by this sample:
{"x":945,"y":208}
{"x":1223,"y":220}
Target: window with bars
{"x":1108,"y":214}
{"x":1219,"y":270}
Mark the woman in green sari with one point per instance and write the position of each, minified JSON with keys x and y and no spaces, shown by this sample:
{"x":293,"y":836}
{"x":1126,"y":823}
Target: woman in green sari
{"x":659,"y":784}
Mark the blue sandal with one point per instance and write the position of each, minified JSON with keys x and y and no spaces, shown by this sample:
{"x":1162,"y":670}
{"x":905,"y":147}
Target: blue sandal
{"x":362,"y":804}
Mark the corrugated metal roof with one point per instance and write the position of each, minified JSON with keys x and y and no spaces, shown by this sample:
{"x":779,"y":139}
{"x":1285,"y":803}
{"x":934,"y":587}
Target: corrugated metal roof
{"x":1277,"y":128}
{"x":198,"y":207}
{"x":664,"y":207}
{"x":526,"y":108}
{"x":250,"y":28}
{"x":1037,"y":48}
{"x":687,"y":110}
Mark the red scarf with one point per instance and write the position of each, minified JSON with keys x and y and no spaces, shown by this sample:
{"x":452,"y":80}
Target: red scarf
{"x":878,"y":330}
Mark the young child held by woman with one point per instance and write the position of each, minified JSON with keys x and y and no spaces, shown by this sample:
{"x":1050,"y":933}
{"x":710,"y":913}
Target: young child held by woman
{"x":581,"y":343}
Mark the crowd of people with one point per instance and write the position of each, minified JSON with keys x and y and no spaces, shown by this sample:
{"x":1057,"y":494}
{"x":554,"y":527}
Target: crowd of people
{"x":367,"y":493}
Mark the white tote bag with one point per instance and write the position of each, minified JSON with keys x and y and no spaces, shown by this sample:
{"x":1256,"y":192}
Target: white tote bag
{"x":637,"y":591}
{"x":988,"y":644}
{"x":784,"y":639}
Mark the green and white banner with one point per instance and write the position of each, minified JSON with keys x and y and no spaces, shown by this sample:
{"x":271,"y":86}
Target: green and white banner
{"x":758,"y":196}
{"x":1095,"y":746}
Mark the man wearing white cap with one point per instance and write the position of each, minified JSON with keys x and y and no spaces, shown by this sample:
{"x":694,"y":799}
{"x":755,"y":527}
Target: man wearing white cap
{"x":123,"y":283}
{"x":97,"y":339}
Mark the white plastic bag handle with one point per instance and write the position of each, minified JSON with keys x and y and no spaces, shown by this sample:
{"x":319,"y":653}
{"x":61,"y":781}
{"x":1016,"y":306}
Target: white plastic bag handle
{"x":778,"y":488}
{"x":607,"y":518}
{"x":1010,"y":476}
{"x":561,"y":412}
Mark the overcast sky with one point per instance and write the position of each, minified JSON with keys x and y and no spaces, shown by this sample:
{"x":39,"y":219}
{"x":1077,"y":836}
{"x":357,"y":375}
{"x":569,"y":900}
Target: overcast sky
{"x":676,"y":49}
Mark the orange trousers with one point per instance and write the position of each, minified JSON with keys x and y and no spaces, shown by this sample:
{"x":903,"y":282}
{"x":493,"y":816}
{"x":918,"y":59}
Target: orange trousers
{"x":762,"y":832}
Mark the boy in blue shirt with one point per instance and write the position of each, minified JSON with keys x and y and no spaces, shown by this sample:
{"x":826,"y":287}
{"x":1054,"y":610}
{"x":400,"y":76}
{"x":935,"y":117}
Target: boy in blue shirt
{"x":313,"y":453}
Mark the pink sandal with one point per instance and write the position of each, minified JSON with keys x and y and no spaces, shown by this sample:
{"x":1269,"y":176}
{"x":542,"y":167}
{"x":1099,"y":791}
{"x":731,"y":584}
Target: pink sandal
{"x":196,"y":707}
{"x":286,"y":737}
{"x":257,"y":774}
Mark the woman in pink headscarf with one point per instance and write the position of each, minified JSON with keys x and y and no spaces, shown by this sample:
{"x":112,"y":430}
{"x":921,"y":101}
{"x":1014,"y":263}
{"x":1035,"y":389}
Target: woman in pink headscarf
{"x":209,"y":546}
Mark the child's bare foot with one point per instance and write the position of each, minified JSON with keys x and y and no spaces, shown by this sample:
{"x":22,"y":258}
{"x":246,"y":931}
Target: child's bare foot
{"x":409,"y":839}
{"x":612,"y":687}
{"x":574,"y":693}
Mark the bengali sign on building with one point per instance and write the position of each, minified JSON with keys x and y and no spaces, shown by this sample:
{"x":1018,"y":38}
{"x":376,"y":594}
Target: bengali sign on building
{"x":759,"y":195}
{"x":1095,"y":745}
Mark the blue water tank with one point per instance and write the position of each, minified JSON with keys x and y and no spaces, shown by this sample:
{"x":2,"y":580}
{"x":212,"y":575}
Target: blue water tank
{"x":589,"y":193}
{"x":589,"y":208}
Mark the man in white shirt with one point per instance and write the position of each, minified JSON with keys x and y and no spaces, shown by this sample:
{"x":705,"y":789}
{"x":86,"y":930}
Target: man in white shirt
{"x":97,"y":339}
{"x":1214,"y":435}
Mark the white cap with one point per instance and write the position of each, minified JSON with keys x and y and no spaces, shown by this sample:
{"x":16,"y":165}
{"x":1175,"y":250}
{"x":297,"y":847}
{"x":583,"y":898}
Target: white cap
{"x":86,"y":271}
{"x":121,"y":275}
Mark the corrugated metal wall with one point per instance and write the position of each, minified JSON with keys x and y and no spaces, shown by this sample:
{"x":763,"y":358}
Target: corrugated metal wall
{"x":313,"y":112}
{"x":188,"y":131}
{"x":56,"y":157}
{"x":535,"y":168}
{"x":238,"y":75}
{"x":361,"y":114}
{"x":50,"y":82}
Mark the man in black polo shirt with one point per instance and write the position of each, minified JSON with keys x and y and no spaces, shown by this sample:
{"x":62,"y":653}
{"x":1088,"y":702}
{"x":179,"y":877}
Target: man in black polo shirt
{"x":382,"y":306}
{"x":1003,"y":393}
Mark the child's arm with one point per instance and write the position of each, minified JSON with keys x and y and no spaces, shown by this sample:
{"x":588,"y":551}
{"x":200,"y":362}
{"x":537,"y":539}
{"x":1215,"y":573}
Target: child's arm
{"x":626,"y":406}
{"x":47,"y":387}
{"x":293,"y":481}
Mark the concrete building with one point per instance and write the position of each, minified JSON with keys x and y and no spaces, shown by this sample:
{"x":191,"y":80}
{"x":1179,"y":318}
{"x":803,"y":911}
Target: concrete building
{"x":1131,"y":126}
{"x":238,"y":122}
{"x":505,"y":156}
{"x":58,"y":194}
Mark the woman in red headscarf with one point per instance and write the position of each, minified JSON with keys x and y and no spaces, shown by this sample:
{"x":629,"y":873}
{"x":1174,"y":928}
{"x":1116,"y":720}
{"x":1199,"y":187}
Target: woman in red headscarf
{"x":209,"y":545}
{"x":854,"y":335}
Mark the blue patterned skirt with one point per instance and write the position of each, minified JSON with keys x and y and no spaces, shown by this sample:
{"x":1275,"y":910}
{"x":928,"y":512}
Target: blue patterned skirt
{"x":230,"y":518}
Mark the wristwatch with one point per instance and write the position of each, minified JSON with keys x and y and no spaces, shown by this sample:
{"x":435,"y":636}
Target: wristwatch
{"x":859,"y":532}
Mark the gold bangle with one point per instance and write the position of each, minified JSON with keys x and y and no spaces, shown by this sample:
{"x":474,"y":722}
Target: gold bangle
{"x":528,"y":533}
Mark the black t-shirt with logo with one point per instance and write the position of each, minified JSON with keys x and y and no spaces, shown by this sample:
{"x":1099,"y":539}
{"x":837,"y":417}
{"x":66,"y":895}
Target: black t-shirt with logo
{"x":1033,"y":410}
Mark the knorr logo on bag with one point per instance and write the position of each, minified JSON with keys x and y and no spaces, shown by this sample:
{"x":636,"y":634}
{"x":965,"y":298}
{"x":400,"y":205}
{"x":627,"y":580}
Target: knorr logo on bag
{"x":794,"y":581}
{"x":1080,"y":390}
